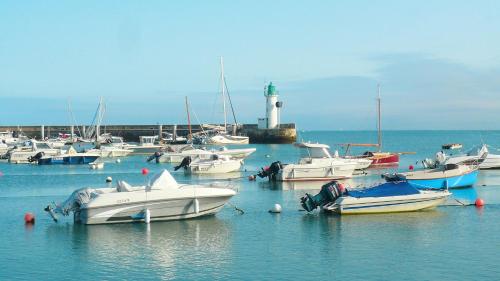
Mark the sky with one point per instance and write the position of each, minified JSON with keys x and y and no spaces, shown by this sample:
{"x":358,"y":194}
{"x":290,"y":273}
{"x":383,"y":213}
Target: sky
{"x":438,"y":62}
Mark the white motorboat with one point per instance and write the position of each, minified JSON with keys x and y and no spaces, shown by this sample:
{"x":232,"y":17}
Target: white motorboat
{"x":475,"y":156}
{"x":34,"y":148}
{"x":217,"y":164}
{"x":202,"y":153}
{"x":316,"y":163}
{"x":147,"y":145}
{"x":111,"y":151}
{"x":4,"y":148}
{"x":162,"y":199}
{"x":388,"y":197}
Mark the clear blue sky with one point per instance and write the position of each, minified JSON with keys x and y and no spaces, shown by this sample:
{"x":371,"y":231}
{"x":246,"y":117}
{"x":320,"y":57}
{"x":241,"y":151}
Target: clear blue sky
{"x":438,"y":61}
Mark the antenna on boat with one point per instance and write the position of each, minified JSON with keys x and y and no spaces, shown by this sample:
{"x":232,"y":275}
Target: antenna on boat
{"x":222,"y":82}
{"x":379,"y":121}
{"x":190,"y":137}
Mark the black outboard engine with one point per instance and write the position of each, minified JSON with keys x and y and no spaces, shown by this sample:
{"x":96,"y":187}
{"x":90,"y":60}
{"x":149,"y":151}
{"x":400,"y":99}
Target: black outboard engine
{"x":392,"y":177}
{"x":36,"y":157}
{"x":155,"y":156}
{"x":272,"y":171}
{"x":185,"y":162}
{"x":329,"y":193}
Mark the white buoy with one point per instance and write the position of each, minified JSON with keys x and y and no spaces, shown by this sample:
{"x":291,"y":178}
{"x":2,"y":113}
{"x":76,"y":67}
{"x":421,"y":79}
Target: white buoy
{"x":109,"y":179}
{"x":276,"y":209}
{"x":118,"y":160}
{"x":196,"y":204}
{"x":147,"y":216}
{"x":268,"y":156}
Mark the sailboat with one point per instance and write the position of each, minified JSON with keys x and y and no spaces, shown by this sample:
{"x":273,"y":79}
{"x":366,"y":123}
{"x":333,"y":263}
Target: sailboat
{"x":378,"y":157}
{"x":221,"y":136}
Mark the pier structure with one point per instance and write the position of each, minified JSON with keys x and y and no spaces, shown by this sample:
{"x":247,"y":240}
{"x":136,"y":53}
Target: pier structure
{"x":131,"y":133}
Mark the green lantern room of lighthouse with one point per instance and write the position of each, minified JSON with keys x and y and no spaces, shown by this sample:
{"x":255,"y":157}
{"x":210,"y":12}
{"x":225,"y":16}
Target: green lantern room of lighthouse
{"x":271,"y":90}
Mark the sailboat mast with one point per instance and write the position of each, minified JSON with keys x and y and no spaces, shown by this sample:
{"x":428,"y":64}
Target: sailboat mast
{"x":379,"y":121}
{"x":189,"y":120}
{"x":223,"y":91}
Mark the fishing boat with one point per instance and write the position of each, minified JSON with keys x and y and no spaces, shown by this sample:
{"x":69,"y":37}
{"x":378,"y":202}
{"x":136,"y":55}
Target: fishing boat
{"x":71,"y":157}
{"x":202,"y":153}
{"x":388,"y":197}
{"x":162,"y":199}
{"x":378,"y":157}
{"x":443,"y":177}
{"x":216,"y":164}
{"x":315,"y":163}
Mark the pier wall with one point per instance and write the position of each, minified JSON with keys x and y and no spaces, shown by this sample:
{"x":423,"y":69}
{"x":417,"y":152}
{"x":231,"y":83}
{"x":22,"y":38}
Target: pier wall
{"x":285,"y":134}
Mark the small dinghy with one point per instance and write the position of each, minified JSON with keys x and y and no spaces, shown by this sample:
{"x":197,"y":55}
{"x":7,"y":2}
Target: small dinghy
{"x":388,"y":197}
{"x":217,"y":164}
{"x":443,"y":177}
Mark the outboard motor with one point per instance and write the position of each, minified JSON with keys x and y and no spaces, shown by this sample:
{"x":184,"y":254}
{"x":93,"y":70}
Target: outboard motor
{"x":155,"y":156}
{"x":185,"y":162}
{"x":329,"y":193}
{"x":36,"y":157}
{"x":271,"y":171}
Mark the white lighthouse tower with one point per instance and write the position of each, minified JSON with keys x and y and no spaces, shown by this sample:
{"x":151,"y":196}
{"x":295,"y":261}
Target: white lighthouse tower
{"x":272,"y":109}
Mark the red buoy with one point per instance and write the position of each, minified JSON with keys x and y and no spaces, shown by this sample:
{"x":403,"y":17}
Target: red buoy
{"x":411,"y":167}
{"x":479,"y":202}
{"x":145,"y":171}
{"x":29,"y":218}
{"x":341,"y":187}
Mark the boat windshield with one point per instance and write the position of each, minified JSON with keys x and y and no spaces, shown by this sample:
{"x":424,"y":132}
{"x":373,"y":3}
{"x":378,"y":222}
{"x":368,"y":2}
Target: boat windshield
{"x":315,"y":153}
{"x":41,"y":145}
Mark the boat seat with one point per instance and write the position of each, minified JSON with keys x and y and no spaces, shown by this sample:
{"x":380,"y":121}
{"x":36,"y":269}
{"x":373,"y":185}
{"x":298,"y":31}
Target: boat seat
{"x":122,"y":186}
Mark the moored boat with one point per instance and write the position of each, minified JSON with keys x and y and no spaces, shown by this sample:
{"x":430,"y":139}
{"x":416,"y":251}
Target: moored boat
{"x":71,"y":157}
{"x":217,"y":164}
{"x":388,"y":197}
{"x":162,"y":199}
{"x":443,"y":177}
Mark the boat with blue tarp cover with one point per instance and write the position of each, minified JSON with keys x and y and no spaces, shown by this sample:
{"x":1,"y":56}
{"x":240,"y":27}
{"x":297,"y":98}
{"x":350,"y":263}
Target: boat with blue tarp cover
{"x":388,"y":197}
{"x":443,"y":177}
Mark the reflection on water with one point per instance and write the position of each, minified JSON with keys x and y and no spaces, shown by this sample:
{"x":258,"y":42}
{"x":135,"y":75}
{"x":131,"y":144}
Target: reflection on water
{"x":161,"y":247}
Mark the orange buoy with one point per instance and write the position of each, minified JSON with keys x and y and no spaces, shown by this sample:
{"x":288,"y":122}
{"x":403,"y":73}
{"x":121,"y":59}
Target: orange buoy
{"x":145,"y":171}
{"x":479,"y":202}
{"x":341,"y":187}
{"x":29,"y":218}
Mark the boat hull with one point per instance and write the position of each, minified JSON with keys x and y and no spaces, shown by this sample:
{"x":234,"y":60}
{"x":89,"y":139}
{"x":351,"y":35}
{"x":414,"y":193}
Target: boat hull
{"x":299,"y":172}
{"x":390,"y":204}
{"x":160,"y":210}
{"x":214,"y":168}
{"x":67,"y":160}
{"x":384,"y":160}
{"x":464,"y":180}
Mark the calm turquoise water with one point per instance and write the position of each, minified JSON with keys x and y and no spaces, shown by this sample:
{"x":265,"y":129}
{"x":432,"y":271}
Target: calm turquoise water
{"x":450,"y":243}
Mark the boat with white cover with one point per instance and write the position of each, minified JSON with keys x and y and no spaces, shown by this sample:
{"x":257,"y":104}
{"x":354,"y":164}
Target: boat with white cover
{"x":217,"y":164}
{"x":162,"y":199}
{"x":388,"y":197}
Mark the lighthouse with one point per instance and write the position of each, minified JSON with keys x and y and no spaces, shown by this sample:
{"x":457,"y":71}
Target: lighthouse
{"x":272,"y":109}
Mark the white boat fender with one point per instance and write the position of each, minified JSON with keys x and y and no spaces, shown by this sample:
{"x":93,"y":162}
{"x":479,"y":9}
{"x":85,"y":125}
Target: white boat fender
{"x":276,"y":209}
{"x":118,"y":160}
{"x":147,"y":216}
{"x":109,"y":179}
{"x":196,"y":204}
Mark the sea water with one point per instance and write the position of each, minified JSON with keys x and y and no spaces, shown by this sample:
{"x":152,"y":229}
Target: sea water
{"x":452,"y":242}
